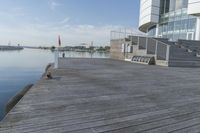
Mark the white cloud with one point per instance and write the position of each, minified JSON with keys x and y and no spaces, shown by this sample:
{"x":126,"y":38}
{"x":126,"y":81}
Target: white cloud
{"x":54,"y":4}
{"x":38,"y":34}
{"x":64,"y":21}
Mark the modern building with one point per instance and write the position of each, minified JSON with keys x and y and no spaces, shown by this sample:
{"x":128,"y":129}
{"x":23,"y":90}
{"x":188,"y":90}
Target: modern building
{"x":172,"y":37}
{"x":172,"y":19}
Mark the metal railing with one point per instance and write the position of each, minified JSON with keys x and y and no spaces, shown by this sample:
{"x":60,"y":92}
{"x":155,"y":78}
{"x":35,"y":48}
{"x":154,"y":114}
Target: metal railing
{"x":154,"y":47}
{"x":158,"y":49}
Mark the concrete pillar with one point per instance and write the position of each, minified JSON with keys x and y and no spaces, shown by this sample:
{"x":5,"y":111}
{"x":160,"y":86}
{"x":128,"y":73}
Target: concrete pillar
{"x":146,"y":45}
{"x":167,"y":52}
{"x":197,"y":33}
{"x":138,"y":42}
{"x":157,"y":30}
{"x":146,"y":42}
{"x":156,"y":50}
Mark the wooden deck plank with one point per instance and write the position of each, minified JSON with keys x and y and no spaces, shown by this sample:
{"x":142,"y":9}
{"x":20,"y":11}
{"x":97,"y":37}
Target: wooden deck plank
{"x":104,"y":95}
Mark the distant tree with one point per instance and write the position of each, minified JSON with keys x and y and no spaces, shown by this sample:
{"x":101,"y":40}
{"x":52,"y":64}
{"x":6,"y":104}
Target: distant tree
{"x":100,"y":49}
{"x":107,"y":48}
{"x":91,"y":48}
{"x":53,"y":48}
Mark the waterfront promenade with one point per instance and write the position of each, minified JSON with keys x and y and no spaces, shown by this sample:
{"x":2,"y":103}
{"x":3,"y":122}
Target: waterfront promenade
{"x":109,"y":96}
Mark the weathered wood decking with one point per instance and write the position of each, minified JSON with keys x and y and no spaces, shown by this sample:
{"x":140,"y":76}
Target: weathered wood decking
{"x":108,"y":96}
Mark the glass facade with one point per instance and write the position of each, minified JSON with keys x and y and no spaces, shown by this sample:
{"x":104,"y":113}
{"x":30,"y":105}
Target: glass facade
{"x":152,"y":31}
{"x":174,"y":21}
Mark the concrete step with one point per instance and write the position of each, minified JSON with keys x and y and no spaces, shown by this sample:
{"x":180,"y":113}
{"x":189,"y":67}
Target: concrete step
{"x":180,"y":53}
{"x":191,"y":45}
{"x":142,"y":48}
{"x":180,"y":63}
{"x":183,"y":55}
{"x":186,"y":59}
{"x":178,"y":50}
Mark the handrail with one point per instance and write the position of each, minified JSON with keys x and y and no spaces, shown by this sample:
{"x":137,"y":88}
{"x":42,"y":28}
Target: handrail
{"x":163,"y":44}
{"x":138,"y":35}
{"x":137,"y":39}
{"x":159,"y":41}
{"x":129,"y":33}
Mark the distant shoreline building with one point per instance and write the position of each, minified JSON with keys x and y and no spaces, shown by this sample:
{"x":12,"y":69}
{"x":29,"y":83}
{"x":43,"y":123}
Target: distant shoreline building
{"x":172,"y":19}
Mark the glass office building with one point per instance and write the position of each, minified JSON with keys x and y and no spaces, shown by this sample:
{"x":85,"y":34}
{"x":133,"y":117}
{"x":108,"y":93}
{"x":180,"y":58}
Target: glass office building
{"x":173,"y":19}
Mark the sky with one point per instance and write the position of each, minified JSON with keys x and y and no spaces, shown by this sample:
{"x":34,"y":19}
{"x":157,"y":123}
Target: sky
{"x":39,"y":22}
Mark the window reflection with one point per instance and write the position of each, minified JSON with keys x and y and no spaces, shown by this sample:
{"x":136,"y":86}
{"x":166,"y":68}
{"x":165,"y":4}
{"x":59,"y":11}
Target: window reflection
{"x":152,"y":31}
{"x":175,"y":23}
{"x":178,"y":4}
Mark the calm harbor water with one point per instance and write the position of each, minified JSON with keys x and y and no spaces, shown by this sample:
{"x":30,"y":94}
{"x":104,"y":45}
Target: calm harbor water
{"x":19,"y":68}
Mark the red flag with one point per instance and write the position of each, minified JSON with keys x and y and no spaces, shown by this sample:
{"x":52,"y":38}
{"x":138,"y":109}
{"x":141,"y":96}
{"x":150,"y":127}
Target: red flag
{"x":59,"y":41}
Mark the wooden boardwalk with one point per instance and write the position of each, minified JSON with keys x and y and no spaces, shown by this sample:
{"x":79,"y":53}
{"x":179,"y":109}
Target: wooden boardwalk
{"x":109,"y":96}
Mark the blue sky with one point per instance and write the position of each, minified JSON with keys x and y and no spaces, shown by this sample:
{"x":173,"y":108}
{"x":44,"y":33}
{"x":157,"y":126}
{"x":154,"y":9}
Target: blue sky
{"x":39,"y":22}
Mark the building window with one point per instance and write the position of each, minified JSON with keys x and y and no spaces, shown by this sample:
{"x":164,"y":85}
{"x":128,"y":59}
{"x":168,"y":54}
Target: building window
{"x":184,"y":25}
{"x":178,"y":4}
{"x":191,"y":24}
{"x":185,"y":4}
{"x":167,"y":6}
{"x":171,"y":26}
{"x":183,"y":36}
{"x":174,"y":22}
{"x":152,"y":31}
{"x":177,"y":26}
{"x":172,"y":5}
{"x":164,"y":6}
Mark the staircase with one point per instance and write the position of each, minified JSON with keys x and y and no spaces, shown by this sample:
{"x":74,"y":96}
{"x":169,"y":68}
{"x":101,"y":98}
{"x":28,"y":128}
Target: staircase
{"x":165,"y":53}
{"x":191,"y":46}
{"x":158,"y":51}
{"x":185,"y":54}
